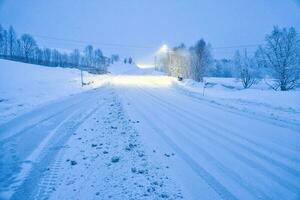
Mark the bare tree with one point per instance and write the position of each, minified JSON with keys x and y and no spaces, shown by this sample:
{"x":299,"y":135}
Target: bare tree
{"x":12,"y":41}
{"x":1,"y":40}
{"x":75,"y":58}
{"x":4,"y":42}
{"x":99,"y":61}
{"x":64,"y":60}
{"x":89,"y":56}
{"x":25,"y":49}
{"x":247,"y":72}
{"x":47,"y":56}
{"x":130,"y":60}
{"x":55,"y":57}
{"x":18,"y":50}
{"x":28,"y":46}
{"x":38,"y":56}
{"x":281,"y":55}
{"x":200,"y":59}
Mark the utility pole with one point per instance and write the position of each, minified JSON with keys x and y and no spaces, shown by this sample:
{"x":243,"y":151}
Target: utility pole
{"x":81,"y":76}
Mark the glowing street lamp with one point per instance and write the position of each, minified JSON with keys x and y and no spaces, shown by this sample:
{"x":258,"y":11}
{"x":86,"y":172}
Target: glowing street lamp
{"x":164,"y":48}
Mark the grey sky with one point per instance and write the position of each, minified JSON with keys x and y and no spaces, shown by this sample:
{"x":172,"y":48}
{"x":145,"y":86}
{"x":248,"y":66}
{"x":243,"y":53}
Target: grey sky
{"x":149,"y":23}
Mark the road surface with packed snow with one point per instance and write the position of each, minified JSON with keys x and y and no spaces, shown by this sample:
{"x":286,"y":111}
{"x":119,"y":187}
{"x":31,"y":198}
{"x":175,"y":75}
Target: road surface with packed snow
{"x":142,"y":135}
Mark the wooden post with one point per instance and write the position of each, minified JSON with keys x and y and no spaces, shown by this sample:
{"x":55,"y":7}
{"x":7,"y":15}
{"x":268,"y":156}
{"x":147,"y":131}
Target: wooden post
{"x":81,"y":76}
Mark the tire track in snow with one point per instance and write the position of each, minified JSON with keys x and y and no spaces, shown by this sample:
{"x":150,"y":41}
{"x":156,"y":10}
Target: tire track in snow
{"x":48,"y":185}
{"x":37,"y":165}
{"x":14,"y":161}
{"x":6,"y":128}
{"x":249,"y":162}
{"x":245,"y":147}
{"x":205,"y":175}
{"x":10,"y":162}
{"x":238,"y":112}
{"x":30,"y":164}
{"x":240,"y":180}
{"x":217,"y":127}
{"x":94,"y":177}
{"x":281,"y":123}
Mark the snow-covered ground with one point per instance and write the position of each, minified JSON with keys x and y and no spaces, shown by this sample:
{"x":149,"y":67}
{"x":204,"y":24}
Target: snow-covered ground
{"x":259,"y":101}
{"x":137,"y":134}
{"x":25,"y":86}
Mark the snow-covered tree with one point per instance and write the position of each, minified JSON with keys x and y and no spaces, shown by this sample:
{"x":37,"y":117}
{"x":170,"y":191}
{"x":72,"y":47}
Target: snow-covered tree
{"x":179,"y":62}
{"x":200,"y":58}
{"x":247,"y":72}
{"x":222,"y":68}
{"x":281,"y":55}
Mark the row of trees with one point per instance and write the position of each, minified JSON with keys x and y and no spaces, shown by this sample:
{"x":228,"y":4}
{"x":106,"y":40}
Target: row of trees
{"x":278,"y":59}
{"x":186,"y":62}
{"x":128,"y":60}
{"x":26,"y":49}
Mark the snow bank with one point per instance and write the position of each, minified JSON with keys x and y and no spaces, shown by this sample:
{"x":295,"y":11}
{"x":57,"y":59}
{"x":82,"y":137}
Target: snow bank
{"x":258,"y":101}
{"x":24,"y":86}
{"x":230,"y":88}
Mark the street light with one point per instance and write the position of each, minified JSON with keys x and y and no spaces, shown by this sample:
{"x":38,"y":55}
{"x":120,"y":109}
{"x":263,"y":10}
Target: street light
{"x":164,"y":48}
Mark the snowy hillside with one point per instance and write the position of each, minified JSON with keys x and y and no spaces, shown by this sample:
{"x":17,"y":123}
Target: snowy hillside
{"x":24,"y":86}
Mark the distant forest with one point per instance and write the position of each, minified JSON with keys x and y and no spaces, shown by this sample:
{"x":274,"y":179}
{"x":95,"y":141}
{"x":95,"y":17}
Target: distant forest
{"x":25,"y":49}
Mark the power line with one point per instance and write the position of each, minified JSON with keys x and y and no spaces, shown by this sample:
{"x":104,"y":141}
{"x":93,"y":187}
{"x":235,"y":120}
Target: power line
{"x":83,"y":42}
{"x":117,"y":46}
{"x":93,"y":42}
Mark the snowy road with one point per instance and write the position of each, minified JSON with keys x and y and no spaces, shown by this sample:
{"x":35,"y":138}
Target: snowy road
{"x":139,"y":137}
{"x":218,"y":153}
{"x":30,"y":142}
{"x":82,"y":147}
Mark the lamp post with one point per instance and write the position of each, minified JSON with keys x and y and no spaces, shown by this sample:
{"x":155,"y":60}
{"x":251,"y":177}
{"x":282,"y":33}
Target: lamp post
{"x":165,"y":50}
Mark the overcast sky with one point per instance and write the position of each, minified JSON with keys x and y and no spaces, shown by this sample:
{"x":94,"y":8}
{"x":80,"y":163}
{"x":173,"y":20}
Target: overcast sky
{"x":140,"y":27}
